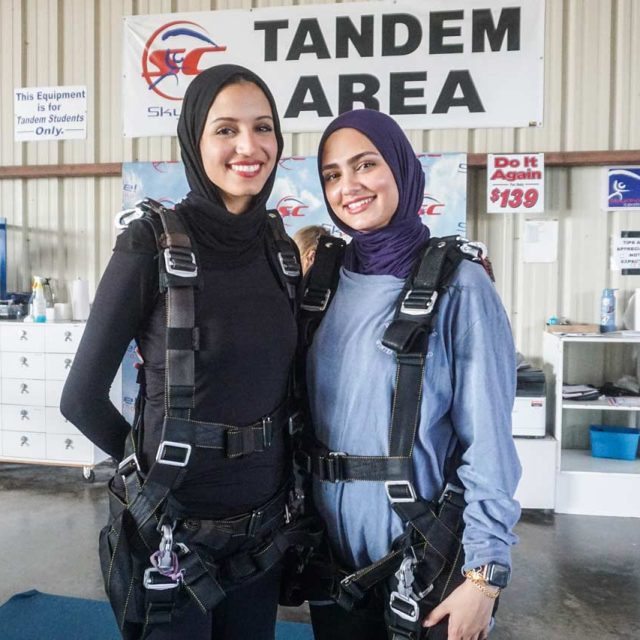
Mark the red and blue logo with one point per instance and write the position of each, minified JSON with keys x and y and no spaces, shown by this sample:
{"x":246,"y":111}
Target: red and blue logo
{"x":291,"y":206}
{"x":431,"y":206}
{"x":173,"y":55}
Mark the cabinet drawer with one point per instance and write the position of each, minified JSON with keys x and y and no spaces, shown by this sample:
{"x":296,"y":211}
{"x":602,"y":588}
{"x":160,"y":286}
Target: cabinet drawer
{"x":53,"y":392}
{"x":23,"y":444}
{"x":20,"y":418}
{"x":56,"y":423}
{"x":63,"y":338}
{"x":27,"y":365}
{"x":23,"y":392}
{"x":57,"y":365}
{"x":22,"y":337}
{"x":69,"y":448}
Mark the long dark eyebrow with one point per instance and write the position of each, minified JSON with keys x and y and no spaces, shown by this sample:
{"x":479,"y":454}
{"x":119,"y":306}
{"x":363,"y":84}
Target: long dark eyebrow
{"x":352,"y":160}
{"x":232,"y":119}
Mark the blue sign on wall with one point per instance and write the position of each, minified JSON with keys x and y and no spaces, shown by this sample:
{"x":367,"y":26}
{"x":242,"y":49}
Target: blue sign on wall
{"x":623,"y":188}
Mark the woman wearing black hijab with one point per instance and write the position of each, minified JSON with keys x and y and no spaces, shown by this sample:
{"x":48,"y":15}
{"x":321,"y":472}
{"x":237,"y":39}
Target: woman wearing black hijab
{"x":230,"y":140}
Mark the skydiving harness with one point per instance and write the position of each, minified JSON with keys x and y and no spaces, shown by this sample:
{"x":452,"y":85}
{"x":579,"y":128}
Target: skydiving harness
{"x":153,"y":557}
{"x":424,"y":563}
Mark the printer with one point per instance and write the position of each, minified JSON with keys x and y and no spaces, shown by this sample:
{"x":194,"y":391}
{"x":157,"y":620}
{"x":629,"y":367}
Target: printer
{"x":528,"y":417}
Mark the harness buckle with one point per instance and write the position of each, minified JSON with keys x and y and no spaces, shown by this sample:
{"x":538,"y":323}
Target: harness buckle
{"x":289,"y":264}
{"x":404,"y":607}
{"x":180,"y":262}
{"x":295,"y":423}
{"x":267,"y":431}
{"x":475,"y":249}
{"x":254,"y":522}
{"x":350,"y":586}
{"x":168,"y":444}
{"x":450,"y":488}
{"x":400,"y":491}
{"x":418,"y":303}
{"x":154,"y":580}
{"x":126,"y":216}
{"x":128,"y":466}
{"x":333,"y":466}
{"x":315,"y":299}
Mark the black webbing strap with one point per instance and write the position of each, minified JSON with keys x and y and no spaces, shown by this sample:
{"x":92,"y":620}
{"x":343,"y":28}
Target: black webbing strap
{"x":179,"y":278}
{"x":334,"y":466}
{"x":408,"y":337}
{"x":320,"y":285}
{"x":287,"y":260}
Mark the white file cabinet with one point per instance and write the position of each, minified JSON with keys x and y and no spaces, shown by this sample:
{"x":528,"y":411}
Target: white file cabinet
{"x":34,"y":362}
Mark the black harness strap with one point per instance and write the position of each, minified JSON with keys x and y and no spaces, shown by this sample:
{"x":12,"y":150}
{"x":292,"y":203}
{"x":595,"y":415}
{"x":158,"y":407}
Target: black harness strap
{"x":320,"y":285}
{"x":287,"y":267}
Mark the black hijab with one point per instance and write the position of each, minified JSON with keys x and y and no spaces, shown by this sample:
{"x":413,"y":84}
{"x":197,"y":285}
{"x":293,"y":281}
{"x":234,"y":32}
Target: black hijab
{"x":231,"y":236}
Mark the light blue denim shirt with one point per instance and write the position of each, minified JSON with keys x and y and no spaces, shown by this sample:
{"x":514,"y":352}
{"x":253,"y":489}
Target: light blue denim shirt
{"x":468,"y":391}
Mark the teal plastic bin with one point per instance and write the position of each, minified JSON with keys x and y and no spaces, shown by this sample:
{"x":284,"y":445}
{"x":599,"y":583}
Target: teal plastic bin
{"x":614,"y":442}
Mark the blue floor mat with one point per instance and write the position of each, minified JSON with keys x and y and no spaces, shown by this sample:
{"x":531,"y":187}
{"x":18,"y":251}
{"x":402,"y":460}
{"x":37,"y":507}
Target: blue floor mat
{"x":38,"y":616}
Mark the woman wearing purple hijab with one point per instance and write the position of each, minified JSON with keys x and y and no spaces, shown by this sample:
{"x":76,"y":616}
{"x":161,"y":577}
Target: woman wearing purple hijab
{"x":373,"y":186}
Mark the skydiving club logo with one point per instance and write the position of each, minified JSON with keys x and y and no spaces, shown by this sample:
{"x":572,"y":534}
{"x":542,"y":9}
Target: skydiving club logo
{"x":431,"y":206}
{"x":291,"y":206}
{"x":173,"y":55}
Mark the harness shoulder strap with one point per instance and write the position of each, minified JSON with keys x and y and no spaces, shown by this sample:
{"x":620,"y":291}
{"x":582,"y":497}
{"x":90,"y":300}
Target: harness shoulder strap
{"x":284,"y":256}
{"x":320,"y":285}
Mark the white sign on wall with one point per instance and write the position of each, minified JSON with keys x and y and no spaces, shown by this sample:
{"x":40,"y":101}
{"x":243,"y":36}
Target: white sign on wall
{"x":515,"y":183}
{"x":428,"y":63}
{"x":50,"y":113}
{"x":625,"y":253}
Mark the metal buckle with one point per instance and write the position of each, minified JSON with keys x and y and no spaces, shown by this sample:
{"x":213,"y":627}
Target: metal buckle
{"x":331,"y":464}
{"x":128,"y":466}
{"x":127,"y":216}
{"x":349,"y":585}
{"x":475,"y":249}
{"x":178,"y":445}
{"x":412,"y":615}
{"x":319,"y":302}
{"x":295,"y":422}
{"x":156,"y":581}
{"x":267,"y":431}
{"x":389,"y":484}
{"x":254,"y":523}
{"x":289,"y":264}
{"x":422,"y":311}
{"x":183,"y":268}
{"x":447,"y":488}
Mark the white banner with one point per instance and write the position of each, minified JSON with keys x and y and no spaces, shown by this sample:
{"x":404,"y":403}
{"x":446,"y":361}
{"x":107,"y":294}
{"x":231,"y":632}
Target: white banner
{"x":515,"y":183}
{"x":428,"y":63}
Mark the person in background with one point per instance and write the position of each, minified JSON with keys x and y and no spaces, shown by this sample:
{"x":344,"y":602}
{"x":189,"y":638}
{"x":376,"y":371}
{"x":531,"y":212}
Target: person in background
{"x":230,"y":141}
{"x":373,"y":187}
{"x":307,"y":240}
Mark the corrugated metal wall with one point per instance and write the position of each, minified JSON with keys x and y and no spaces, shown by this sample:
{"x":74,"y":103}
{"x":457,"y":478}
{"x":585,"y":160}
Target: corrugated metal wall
{"x":62,"y":227}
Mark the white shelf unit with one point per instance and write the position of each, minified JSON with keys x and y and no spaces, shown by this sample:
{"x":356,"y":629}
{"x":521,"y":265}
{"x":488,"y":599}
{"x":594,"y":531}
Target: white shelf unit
{"x":584,"y":484}
{"x":34,"y":362}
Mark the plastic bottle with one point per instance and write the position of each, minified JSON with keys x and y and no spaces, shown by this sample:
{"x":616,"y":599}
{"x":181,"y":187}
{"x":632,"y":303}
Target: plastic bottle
{"x":39,"y":305}
{"x":608,"y":311}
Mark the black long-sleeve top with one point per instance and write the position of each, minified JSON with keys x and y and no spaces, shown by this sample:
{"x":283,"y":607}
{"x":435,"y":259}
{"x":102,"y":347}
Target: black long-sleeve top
{"x":247,"y":335}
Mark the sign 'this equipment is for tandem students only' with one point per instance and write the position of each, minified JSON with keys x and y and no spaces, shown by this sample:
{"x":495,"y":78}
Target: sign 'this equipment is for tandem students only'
{"x":428,"y":63}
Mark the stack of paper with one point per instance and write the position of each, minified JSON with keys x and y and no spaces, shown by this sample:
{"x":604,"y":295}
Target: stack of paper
{"x":579,"y":392}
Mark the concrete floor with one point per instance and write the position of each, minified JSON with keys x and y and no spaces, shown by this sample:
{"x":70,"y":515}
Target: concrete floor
{"x":575,"y":577}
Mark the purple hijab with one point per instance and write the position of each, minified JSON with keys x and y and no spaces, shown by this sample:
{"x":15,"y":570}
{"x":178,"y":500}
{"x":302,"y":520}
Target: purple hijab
{"x":393,"y":249}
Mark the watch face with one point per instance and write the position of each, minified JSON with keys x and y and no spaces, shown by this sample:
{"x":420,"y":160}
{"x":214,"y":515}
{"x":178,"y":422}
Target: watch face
{"x":498,"y":575}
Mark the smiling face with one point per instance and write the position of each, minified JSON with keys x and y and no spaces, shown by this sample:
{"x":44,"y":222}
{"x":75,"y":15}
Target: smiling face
{"x":358,"y":183}
{"x":238,"y":145}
